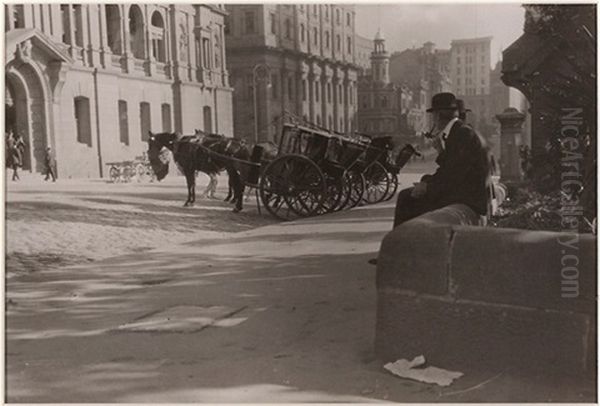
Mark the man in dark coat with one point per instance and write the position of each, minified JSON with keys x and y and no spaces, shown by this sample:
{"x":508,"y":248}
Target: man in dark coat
{"x":463,"y":172}
{"x":50,"y":164}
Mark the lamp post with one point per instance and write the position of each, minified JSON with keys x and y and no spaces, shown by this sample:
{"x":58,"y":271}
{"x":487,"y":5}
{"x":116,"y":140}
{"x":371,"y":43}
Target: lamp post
{"x":266,"y":71}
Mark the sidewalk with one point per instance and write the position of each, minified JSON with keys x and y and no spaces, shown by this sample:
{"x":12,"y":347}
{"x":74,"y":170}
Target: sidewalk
{"x":282,"y":313}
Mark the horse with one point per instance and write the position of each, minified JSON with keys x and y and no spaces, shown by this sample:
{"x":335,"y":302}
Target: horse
{"x":208,"y":153}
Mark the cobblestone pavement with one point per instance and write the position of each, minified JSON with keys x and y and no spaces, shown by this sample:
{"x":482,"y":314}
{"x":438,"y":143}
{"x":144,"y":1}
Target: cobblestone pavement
{"x":76,"y":221}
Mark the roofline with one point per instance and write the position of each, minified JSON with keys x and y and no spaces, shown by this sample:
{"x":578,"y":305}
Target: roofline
{"x":470,"y":40}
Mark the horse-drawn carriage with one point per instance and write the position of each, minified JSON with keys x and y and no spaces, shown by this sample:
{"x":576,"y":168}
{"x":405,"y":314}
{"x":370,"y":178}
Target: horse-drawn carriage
{"x":318,"y":171}
{"x":125,"y":171}
{"x":313,"y":171}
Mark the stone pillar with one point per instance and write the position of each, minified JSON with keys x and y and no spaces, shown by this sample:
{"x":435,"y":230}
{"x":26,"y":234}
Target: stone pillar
{"x":511,"y":127}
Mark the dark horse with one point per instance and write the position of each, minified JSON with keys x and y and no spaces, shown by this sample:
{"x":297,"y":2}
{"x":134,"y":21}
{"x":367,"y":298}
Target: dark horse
{"x":208,"y":153}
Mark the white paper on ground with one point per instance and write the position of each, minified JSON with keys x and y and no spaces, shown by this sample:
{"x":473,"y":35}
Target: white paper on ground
{"x":408,"y":369}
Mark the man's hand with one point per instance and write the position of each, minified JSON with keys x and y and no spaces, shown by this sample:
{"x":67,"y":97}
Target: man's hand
{"x":419,"y":190}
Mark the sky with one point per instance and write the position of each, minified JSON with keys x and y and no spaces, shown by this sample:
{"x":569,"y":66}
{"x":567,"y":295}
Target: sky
{"x":408,"y":25}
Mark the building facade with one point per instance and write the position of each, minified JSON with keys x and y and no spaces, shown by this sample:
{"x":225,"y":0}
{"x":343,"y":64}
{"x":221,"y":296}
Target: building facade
{"x":90,"y":80}
{"x":386,"y":108}
{"x":291,"y":62}
{"x":364,"y":47}
{"x":470,"y":69}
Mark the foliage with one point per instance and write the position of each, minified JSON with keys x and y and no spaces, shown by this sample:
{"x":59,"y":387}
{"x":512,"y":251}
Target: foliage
{"x":568,"y":32}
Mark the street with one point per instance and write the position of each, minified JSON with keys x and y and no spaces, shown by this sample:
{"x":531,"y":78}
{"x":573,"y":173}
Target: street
{"x":231,"y":312}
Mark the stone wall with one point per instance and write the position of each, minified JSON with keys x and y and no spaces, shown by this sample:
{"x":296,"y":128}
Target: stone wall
{"x":478,"y":297}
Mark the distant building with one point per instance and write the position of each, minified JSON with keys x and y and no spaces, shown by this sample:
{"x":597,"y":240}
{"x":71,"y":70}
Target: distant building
{"x":90,"y":80}
{"x":470,"y":68}
{"x":291,"y":61}
{"x":385,"y":108}
{"x":364,"y":47}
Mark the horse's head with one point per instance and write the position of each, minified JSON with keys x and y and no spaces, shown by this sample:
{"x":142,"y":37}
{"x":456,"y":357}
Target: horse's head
{"x":158,"y":152}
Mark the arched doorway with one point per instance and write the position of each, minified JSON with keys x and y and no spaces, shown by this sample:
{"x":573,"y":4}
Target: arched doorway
{"x":25,"y":106}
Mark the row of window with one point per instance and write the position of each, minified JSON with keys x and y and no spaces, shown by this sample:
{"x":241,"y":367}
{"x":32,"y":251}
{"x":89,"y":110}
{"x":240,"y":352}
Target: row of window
{"x":468,"y":81}
{"x":137,"y":35}
{"x":338,"y":14}
{"x":469,"y":70}
{"x":342,"y":126}
{"x":469,"y":59}
{"x":471,"y":48}
{"x":274,"y":82}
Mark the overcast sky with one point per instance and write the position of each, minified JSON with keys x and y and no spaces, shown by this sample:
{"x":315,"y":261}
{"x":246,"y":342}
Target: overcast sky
{"x":405,"y":25}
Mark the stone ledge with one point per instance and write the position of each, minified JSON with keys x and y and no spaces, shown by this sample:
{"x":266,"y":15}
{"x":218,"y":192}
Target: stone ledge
{"x":475,"y":295}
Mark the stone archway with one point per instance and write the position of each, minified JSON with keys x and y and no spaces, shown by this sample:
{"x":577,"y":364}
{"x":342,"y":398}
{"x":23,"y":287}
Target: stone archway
{"x":28,"y":113}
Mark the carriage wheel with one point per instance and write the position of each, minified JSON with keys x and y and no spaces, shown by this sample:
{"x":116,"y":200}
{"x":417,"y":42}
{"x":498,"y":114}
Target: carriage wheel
{"x":114,"y":174}
{"x":355,"y":183}
{"x":292,"y":186}
{"x":140,"y":171}
{"x":377,"y":183}
{"x":128,"y":173}
{"x":335,"y":194}
{"x":393,"y":185}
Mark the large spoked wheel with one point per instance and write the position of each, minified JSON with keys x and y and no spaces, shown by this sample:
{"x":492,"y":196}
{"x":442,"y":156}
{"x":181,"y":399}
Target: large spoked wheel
{"x":355,"y":188}
{"x":335,"y":194}
{"x":292,"y":186}
{"x":114,"y":174}
{"x":393,"y":185}
{"x":377,"y":183}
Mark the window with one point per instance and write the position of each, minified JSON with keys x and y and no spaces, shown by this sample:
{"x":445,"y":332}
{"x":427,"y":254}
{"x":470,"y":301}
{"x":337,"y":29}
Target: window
{"x":290,"y":88}
{"x":205,"y":53}
{"x":123,"y":122}
{"x":339,"y":93}
{"x":165,"y":110}
{"x":136,"y":32}
{"x":145,"y":122}
{"x":249,"y":19}
{"x":458,"y":60}
{"x":328,"y":92}
{"x":349,"y":44}
{"x":78,"y":28}
{"x":338,"y":42}
{"x":302,"y":32}
{"x":326,"y":12}
{"x":315,"y":36}
{"x":458,"y":81}
{"x":304,"y":90}
{"x":337,"y":16}
{"x":18,"y":18}
{"x":482,"y":90}
{"x":64,"y":10}
{"x":458,"y":71}
{"x":227,"y":24}
{"x":157,"y":33}
{"x":207,"y":115}
{"x":348,"y":19}
{"x":274,"y":86}
{"x":318,"y":119}
{"x":317,"y":91}
{"x":315,"y":9}
{"x":327,"y":39}
{"x":113,"y":29}
{"x":330,"y":122}
{"x":288,"y":29}
{"x":301,"y":8}
{"x":273,"y":26}
{"x":82,"y":120}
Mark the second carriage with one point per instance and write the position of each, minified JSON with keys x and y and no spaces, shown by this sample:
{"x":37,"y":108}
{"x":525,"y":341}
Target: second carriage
{"x":317,"y":171}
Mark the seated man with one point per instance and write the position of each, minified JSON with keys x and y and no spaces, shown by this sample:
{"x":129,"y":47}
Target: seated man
{"x":462,"y":175}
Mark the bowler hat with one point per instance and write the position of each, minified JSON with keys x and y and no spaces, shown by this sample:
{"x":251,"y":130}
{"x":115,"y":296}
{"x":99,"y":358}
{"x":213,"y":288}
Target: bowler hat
{"x":443,"y":101}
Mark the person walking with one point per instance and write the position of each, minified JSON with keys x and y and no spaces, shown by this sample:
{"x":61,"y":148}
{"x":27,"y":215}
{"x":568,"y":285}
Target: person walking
{"x":50,"y":165}
{"x":13,"y":155}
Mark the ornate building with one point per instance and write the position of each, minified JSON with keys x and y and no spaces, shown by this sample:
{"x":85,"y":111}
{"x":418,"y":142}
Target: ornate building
{"x":291,"y":61}
{"x":90,"y":80}
{"x":386,"y":108}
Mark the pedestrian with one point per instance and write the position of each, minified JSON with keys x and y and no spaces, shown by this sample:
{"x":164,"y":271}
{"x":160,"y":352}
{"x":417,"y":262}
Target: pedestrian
{"x":13,"y":155}
{"x":50,"y":165}
{"x":463,"y":172}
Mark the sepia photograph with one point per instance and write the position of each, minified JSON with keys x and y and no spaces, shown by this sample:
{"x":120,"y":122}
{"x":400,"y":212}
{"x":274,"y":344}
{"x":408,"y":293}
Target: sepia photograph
{"x":295,"y":202}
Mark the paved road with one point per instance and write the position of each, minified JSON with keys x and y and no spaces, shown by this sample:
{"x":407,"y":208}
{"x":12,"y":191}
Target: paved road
{"x":282,"y":313}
